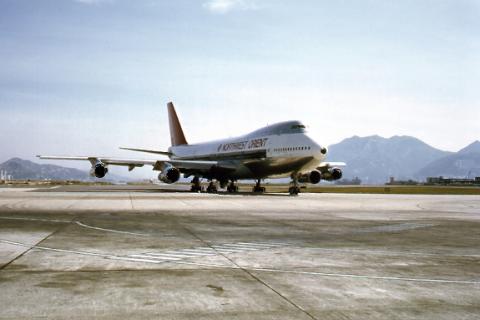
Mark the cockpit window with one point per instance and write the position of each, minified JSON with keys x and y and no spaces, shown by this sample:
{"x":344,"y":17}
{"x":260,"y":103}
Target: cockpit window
{"x":298,"y":126}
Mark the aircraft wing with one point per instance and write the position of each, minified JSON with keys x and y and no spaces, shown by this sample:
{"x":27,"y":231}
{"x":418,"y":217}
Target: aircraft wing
{"x":182,"y":165}
{"x":330,"y":170}
{"x":327,"y":165}
{"x":165,"y":153}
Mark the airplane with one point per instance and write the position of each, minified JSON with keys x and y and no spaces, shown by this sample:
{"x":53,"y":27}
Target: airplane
{"x":276,"y":151}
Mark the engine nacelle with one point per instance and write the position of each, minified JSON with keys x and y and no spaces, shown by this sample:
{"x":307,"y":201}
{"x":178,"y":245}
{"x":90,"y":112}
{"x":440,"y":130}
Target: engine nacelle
{"x":99,"y":170}
{"x":313,"y":177}
{"x":169,"y":174}
{"x":332,"y":174}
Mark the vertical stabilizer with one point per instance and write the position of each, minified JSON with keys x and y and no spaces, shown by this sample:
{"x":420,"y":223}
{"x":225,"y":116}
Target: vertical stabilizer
{"x":176,"y":133}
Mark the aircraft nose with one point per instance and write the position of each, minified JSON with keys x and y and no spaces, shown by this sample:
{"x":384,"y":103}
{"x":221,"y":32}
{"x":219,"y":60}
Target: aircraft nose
{"x":319,"y":151}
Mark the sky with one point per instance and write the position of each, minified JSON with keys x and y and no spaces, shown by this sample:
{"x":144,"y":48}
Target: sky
{"x":83,"y":77}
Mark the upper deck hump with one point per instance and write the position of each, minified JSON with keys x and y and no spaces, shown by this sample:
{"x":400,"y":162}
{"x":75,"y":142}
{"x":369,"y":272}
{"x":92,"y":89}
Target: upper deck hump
{"x":286,"y":127}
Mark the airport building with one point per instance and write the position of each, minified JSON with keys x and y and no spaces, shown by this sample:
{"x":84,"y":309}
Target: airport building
{"x":452,"y":181}
{"x":4,"y":176}
{"x":393,"y":182}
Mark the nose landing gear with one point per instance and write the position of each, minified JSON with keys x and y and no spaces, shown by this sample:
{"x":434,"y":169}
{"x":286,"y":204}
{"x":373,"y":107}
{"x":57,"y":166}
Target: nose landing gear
{"x":294,"y":188}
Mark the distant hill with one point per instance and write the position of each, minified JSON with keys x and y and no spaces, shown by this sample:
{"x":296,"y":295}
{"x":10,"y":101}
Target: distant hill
{"x":25,"y":169}
{"x":464,"y":163}
{"x":474,"y":147}
{"x":374,"y":159}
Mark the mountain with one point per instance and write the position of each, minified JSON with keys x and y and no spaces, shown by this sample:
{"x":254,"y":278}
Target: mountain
{"x":474,"y":147}
{"x":375,"y":159}
{"x":24,"y":169}
{"x":464,"y":163}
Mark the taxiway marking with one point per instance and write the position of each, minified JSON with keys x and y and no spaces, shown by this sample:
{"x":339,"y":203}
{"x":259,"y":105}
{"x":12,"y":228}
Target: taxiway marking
{"x":110,"y":230}
{"x":155,"y":257}
{"x":35,"y":219}
{"x":194,"y":252}
{"x":392,"y":253}
{"x":226,"y":248}
{"x":395,"y":227}
{"x":241,"y":247}
{"x":235,"y":267}
{"x":223,"y":248}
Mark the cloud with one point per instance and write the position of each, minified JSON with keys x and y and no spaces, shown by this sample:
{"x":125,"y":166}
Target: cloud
{"x":225,"y":6}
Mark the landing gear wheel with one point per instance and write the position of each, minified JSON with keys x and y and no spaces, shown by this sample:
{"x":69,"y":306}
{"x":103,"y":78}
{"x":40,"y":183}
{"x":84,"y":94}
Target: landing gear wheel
{"x":212,"y":187}
{"x":223,"y":184}
{"x":294,"y":190}
{"x":258,"y":188}
{"x":196,"y":186}
{"x":197,"y":189}
{"x":232,"y":187}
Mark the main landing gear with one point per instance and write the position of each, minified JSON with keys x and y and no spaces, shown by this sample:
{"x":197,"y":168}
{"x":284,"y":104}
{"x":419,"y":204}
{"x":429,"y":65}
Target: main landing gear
{"x":258,"y":188}
{"x":232,"y":187}
{"x":212,"y":187}
{"x":294,"y":188}
{"x":196,"y":186}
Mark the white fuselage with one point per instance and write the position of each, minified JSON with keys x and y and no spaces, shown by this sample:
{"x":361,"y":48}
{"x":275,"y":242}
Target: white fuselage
{"x":258,"y":155}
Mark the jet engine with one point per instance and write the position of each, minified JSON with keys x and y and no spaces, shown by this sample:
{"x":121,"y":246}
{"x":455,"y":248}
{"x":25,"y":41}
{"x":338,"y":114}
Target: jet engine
{"x":169,"y":174}
{"x":313,"y":177}
{"x":332,"y":174}
{"x":99,"y":170}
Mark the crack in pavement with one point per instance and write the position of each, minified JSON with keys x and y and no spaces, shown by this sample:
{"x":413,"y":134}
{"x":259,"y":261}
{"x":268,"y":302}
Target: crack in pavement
{"x":237,"y":266}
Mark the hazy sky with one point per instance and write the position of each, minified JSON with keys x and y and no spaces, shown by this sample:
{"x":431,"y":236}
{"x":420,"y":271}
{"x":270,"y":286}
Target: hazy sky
{"x":84,"y":77}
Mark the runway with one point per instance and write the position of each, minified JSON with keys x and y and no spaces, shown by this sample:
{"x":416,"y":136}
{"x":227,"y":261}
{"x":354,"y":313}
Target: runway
{"x":138,"y":252}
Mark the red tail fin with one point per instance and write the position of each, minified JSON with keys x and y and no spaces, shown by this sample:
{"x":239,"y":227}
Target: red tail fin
{"x":176,"y":133}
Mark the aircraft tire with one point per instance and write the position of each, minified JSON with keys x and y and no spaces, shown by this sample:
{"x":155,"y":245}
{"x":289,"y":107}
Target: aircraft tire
{"x":212,"y":188}
{"x":259,"y":189}
{"x":293,"y":191}
{"x":196,"y":189}
{"x":232,"y":189}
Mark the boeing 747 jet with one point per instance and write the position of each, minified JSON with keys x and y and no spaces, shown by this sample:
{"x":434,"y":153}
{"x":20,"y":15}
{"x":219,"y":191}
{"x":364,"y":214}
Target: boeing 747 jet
{"x":275,"y":151}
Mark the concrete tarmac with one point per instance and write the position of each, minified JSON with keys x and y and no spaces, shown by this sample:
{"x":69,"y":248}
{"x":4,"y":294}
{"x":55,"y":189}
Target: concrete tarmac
{"x":140,"y":253}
